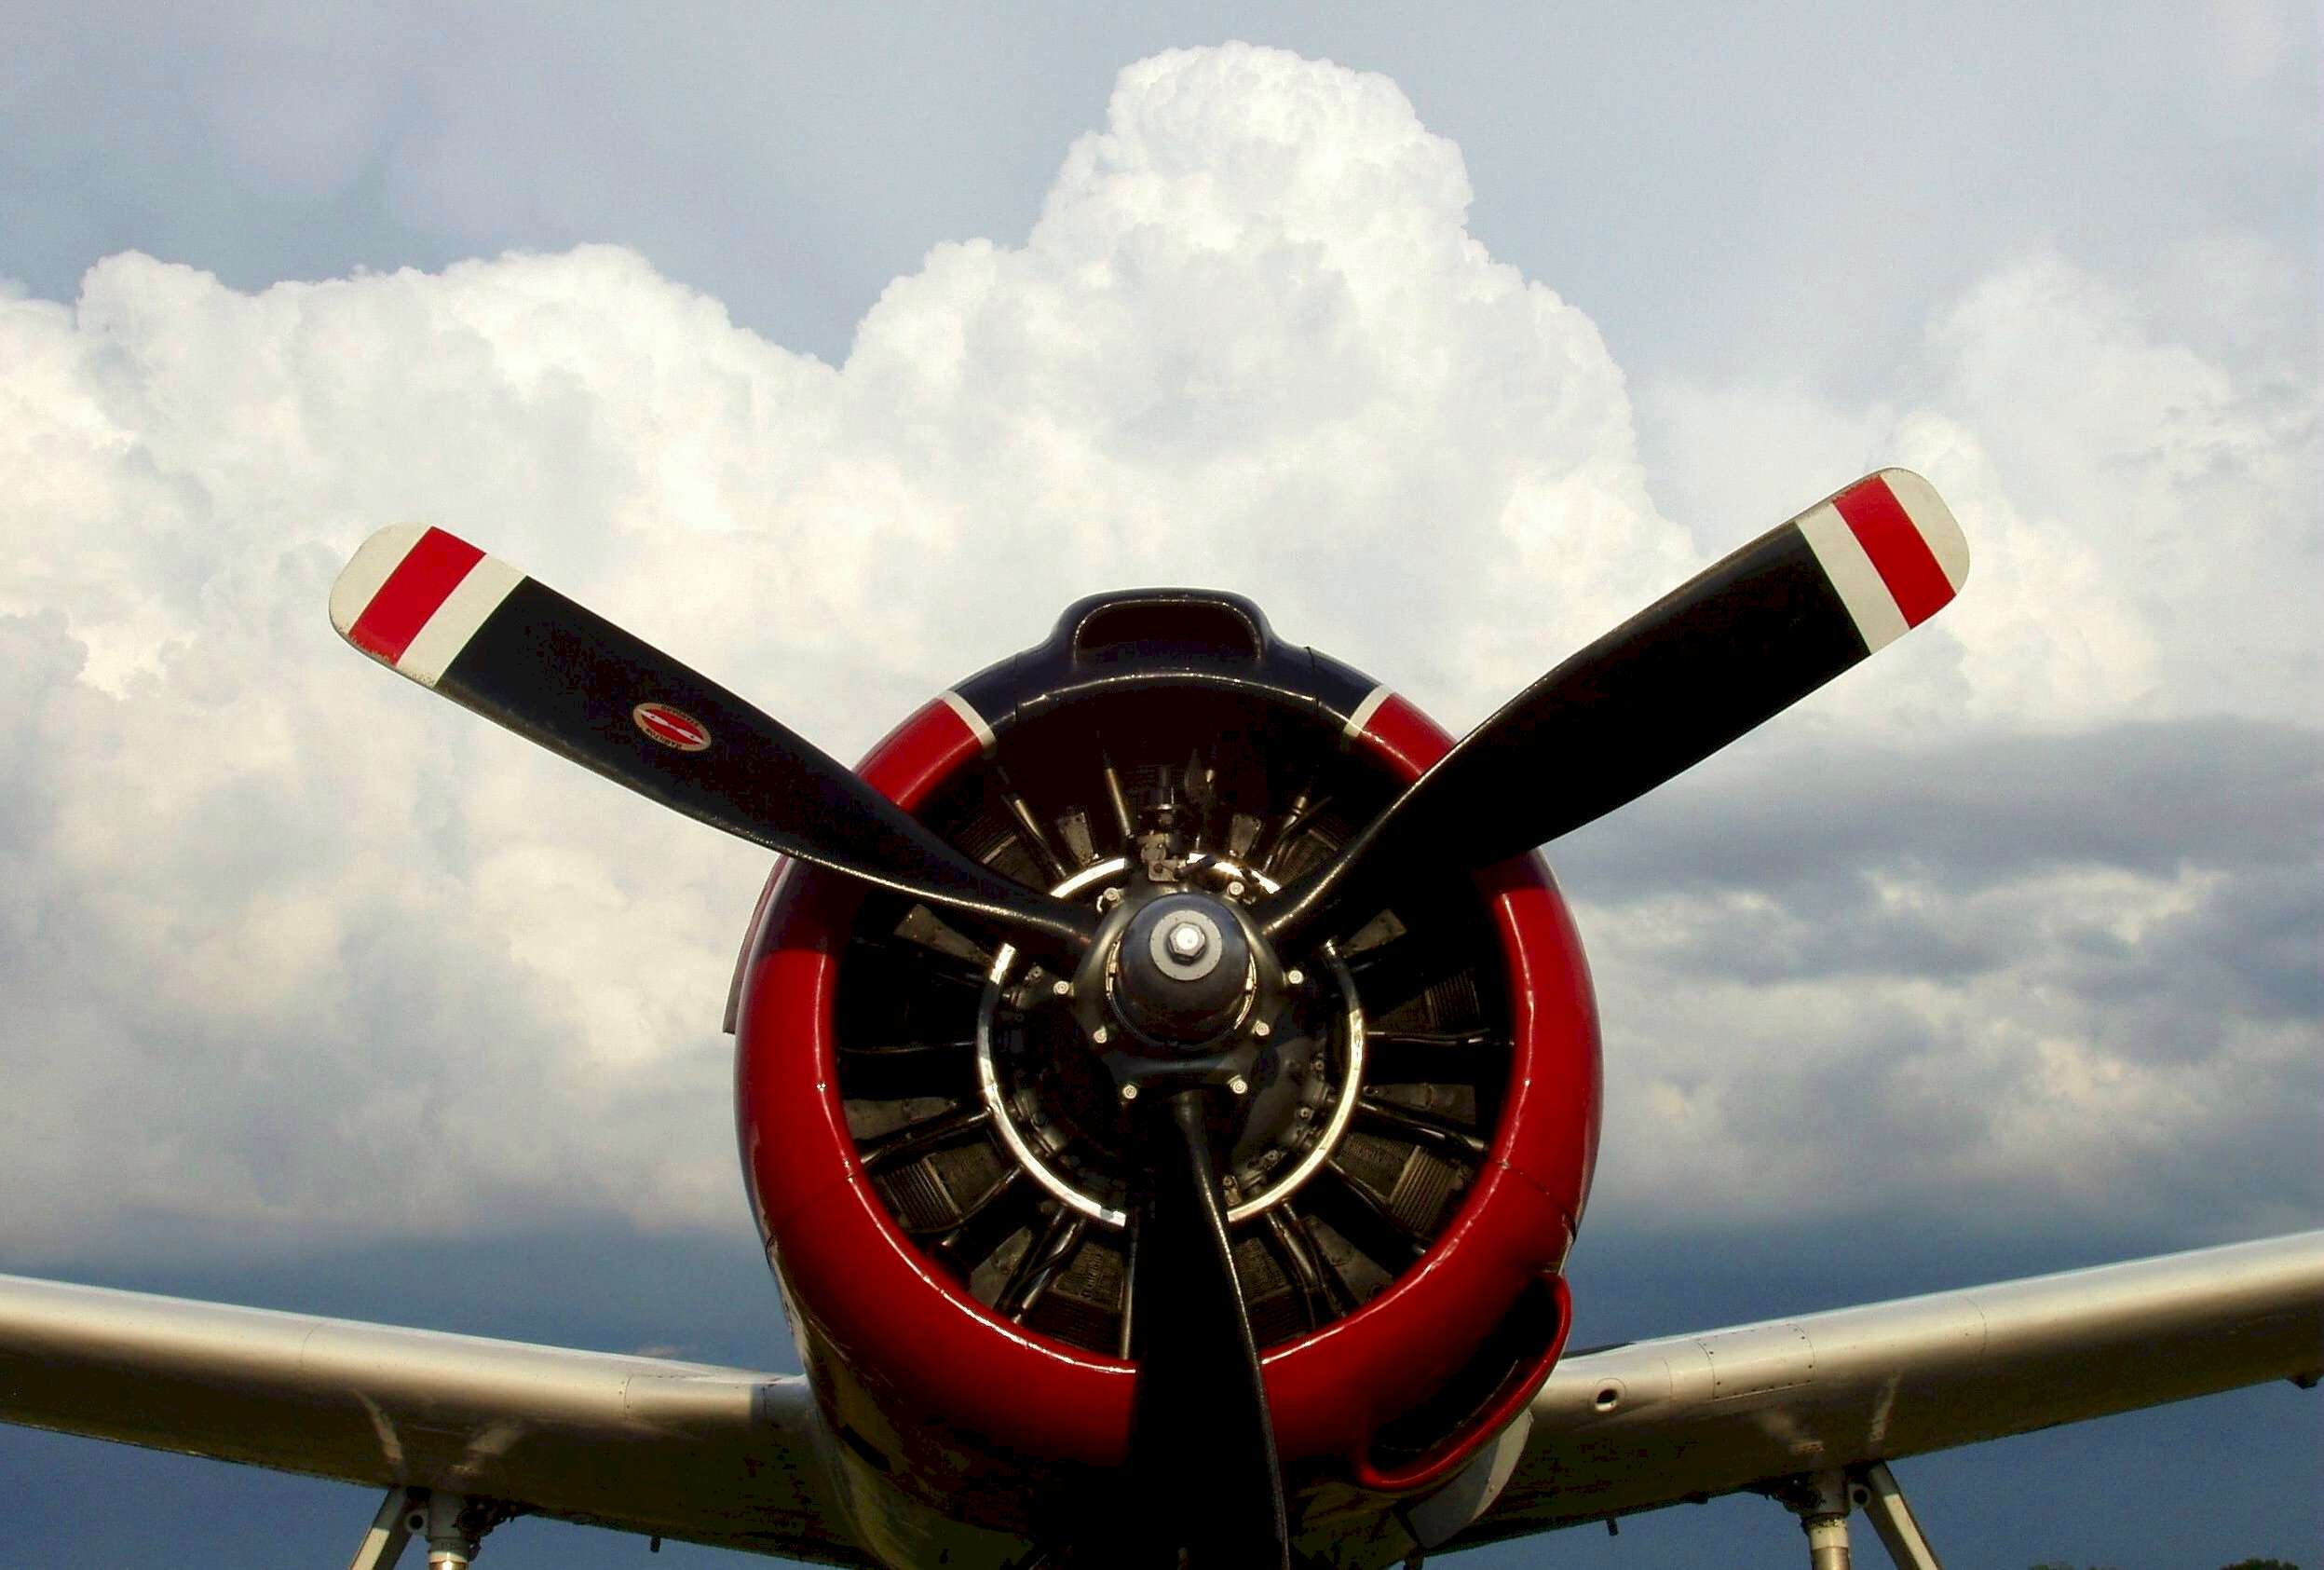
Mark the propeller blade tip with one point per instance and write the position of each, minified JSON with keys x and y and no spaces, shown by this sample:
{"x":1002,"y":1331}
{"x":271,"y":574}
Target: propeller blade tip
{"x":367,"y":572}
{"x":1940,"y":529}
{"x":414,"y":596}
{"x":1891,"y":551}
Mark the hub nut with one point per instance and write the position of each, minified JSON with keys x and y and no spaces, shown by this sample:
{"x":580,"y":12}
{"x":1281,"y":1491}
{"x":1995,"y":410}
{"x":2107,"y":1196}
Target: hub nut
{"x":1180,"y":971}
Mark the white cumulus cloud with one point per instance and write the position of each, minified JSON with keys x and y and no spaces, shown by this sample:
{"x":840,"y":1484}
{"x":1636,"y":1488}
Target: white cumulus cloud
{"x":2144,"y":517}
{"x":285,"y":942}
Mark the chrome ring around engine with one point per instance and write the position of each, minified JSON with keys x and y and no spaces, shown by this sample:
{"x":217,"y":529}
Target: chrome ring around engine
{"x":1317,"y":1093}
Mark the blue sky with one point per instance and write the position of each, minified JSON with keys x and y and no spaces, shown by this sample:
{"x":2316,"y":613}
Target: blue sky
{"x":838,"y":354}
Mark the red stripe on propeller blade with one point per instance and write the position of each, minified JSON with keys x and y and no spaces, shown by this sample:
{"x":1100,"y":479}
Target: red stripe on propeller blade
{"x":421,"y":582}
{"x":1903,"y":559}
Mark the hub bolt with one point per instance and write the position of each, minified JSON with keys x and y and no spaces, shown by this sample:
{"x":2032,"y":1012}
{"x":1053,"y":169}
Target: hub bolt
{"x":1129,"y":1092}
{"x":1188,"y":941}
{"x":1294,"y":978}
{"x":1261,"y":1028}
{"x":1238,"y":1084}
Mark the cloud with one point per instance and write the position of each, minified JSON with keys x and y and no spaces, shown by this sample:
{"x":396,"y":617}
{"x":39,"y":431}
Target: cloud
{"x":2021,"y":979}
{"x":2050,"y":925}
{"x":285,"y":943}
{"x":2146,"y":524}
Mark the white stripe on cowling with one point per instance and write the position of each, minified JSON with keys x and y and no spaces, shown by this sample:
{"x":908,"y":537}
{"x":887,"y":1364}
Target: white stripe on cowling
{"x":974,"y":721}
{"x":367,"y":572}
{"x":1370,"y":706}
{"x":447,"y":633}
{"x":1853,"y":576}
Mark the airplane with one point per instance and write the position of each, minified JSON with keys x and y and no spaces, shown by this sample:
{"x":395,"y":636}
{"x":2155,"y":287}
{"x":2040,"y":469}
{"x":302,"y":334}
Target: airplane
{"x":1168,"y":1085}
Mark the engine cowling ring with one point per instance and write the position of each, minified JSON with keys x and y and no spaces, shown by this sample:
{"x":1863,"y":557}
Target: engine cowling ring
{"x":913,"y":1369}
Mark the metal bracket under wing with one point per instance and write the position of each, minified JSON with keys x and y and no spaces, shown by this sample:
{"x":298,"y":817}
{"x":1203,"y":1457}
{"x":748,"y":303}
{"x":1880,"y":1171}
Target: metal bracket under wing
{"x":390,"y":1530}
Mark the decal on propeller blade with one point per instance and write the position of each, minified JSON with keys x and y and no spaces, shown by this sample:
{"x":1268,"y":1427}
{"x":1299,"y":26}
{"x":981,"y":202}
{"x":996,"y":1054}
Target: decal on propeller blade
{"x":671,"y":728}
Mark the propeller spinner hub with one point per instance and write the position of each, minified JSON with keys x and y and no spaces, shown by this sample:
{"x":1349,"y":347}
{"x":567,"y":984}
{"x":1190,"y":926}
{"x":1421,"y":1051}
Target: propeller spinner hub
{"x":1183,"y":969}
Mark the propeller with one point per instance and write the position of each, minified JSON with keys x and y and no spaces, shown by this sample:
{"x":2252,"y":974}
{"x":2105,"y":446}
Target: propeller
{"x":433,"y":607}
{"x":1737,"y":645}
{"x":1202,"y":1445}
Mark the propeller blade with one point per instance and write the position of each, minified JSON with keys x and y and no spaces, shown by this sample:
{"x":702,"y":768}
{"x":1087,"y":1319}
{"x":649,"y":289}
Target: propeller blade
{"x":1742,"y":642}
{"x":469,"y":626}
{"x":1202,"y":1445}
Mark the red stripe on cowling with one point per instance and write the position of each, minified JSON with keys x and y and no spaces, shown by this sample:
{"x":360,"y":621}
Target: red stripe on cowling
{"x":914,"y":757}
{"x":1407,"y":738}
{"x":1903,"y":559}
{"x":421,"y":582}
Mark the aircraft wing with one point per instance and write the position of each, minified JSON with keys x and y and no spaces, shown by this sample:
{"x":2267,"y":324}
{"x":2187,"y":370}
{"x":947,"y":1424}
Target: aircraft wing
{"x":686,"y":1451}
{"x":1687,"y":1417}
{"x":733,"y":1458}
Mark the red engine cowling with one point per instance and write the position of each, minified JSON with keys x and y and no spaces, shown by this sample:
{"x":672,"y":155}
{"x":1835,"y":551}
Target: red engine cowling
{"x":914,"y":1321}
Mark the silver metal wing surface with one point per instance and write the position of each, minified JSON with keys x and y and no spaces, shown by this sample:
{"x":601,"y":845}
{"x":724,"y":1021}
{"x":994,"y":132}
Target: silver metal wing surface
{"x":1809,"y":1409}
{"x":1780,"y":1405}
{"x":685,"y":1451}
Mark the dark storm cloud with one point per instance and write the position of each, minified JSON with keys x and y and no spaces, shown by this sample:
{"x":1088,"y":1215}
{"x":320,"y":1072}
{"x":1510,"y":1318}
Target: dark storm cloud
{"x":1991,"y":857}
{"x":2022,"y":978}
{"x":2147,"y":796}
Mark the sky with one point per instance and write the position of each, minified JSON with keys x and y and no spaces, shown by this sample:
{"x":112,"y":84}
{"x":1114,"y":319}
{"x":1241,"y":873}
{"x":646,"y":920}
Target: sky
{"x":835,"y":355}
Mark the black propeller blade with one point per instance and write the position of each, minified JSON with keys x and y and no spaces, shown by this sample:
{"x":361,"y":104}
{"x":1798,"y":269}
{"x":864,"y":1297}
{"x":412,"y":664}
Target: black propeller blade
{"x":1741,"y":643}
{"x":1202,"y":1445}
{"x":469,"y":626}
{"x":1744,"y":640}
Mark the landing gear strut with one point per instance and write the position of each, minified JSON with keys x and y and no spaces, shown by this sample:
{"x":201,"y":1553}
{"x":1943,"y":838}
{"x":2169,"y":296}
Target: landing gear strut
{"x":1875,"y":1493}
{"x":1821,"y":1503}
{"x":1823,"y":1500}
{"x":453,"y":1524}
